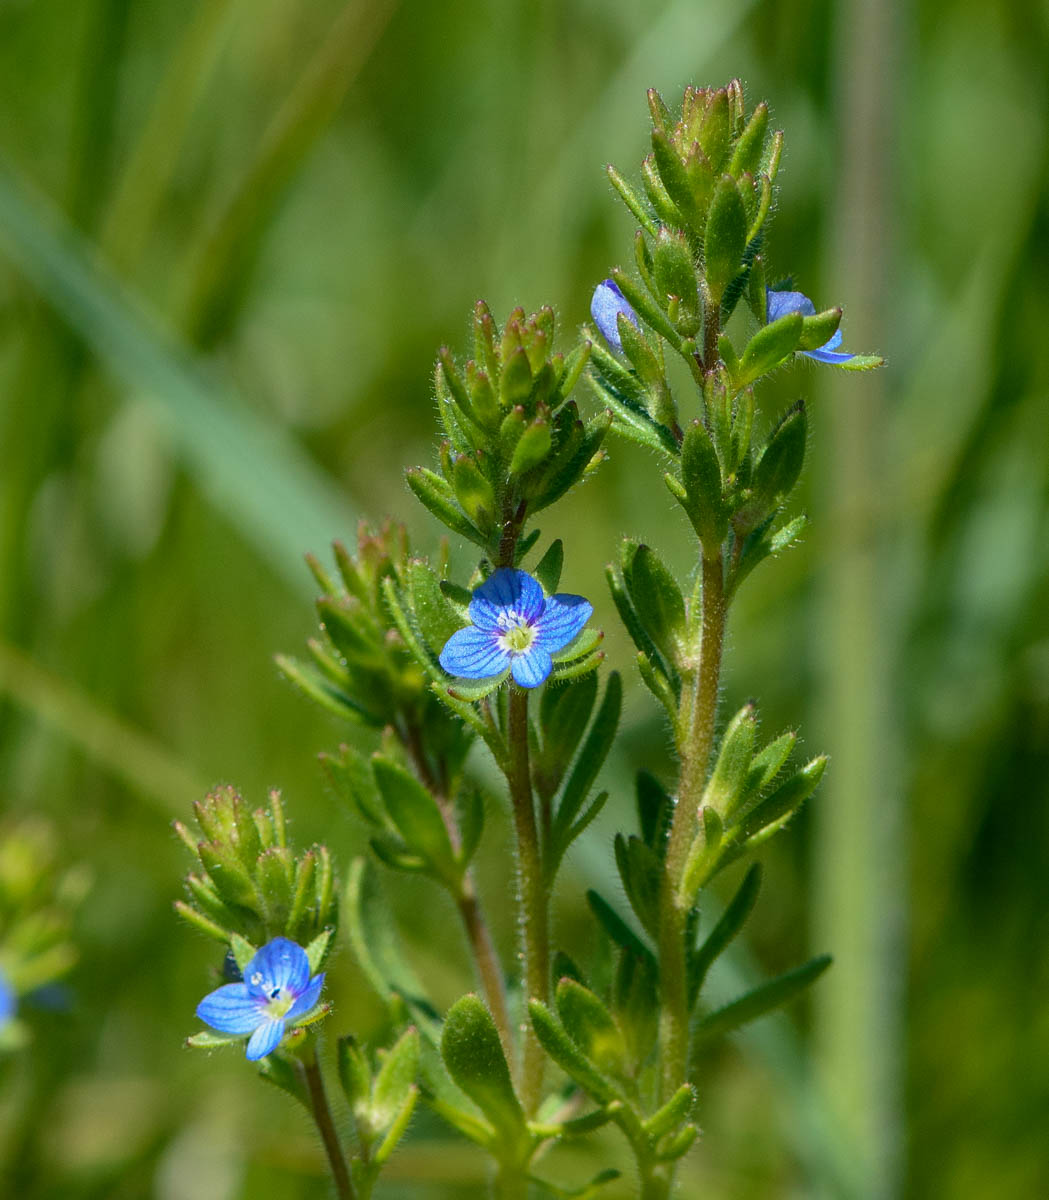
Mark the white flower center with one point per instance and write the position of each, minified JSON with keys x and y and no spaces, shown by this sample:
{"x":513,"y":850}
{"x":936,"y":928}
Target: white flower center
{"x":278,"y":1003}
{"x":518,"y":637}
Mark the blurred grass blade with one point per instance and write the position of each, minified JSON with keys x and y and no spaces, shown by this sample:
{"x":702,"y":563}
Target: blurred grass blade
{"x":226,"y":260}
{"x":118,"y":747}
{"x":151,"y":166}
{"x":252,"y":471}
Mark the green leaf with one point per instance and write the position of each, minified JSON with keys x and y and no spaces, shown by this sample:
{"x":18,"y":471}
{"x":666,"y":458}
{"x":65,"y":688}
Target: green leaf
{"x":243,"y":951}
{"x":674,"y":178}
{"x":701,"y":477}
{"x":780,"y":465}
{"x":436,"y":615}
{"x":350,"y":774}
{"x":532,"y":447}
{"x":617,"y":929}
{"x":771,"y":345}
{"x":818,"y":330}
{"x":282,"y":1074}
{"x":556,"y":1042}
{"x":591,"y":757}
{"x":415,"y":813}
{"x":655,"y":809}
{"x":763,"y":769}
{"x":730,"y":924}
{"x":590,"y":1025}
{"x":761,"y":1000}
{"x":646,"y":309}
{"x":765,"y":817}
{"x":861,"y":362}
{"x":725,"y":238}
{"x":632,"y":200}
{"x":675,"y":274}
{"x":318,"y":950}
{"x":635,"y":997}
{"x":670,"y":1116}
{"x":746,"y":155}
{"x":474,"y":1057}
{"x":564,"y":712}
{"x":641,"y":871}
{"x":321,"y":690}
{"x":354,"y":1075}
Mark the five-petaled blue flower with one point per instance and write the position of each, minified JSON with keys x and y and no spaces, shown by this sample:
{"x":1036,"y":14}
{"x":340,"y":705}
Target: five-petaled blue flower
{"x":277,"y":988}
{"x":779,"y":304}
{"x":516,"y":628}
{"x":605,"y":306}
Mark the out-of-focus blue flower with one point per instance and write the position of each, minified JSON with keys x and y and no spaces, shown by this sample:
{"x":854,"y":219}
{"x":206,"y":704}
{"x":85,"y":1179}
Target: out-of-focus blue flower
{"x":277,"y":989}
{"x":779,"y":304}
{"x":8,"y":1000}
{"x":514,"y":627}
{"x":605,"y":306}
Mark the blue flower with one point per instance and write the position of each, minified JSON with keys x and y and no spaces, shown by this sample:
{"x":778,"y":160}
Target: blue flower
{"x":605,"y":306}
{"x":8,"y":1000}
{"x":277,"y":988}
{"x":514,"y":627}
{"x":779,"y":304}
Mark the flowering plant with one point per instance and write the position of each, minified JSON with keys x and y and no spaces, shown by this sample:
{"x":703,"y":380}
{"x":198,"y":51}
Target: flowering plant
{"x":445,"y":668}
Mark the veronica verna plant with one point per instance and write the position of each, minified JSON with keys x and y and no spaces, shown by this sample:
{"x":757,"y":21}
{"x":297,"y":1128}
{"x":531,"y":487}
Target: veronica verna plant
{"x":437,"y":671}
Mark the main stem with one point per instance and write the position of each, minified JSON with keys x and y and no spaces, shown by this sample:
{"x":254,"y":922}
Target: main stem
{"x":532,"y":897}
{"x":695,"y":737}
{"x":329,"y":1136}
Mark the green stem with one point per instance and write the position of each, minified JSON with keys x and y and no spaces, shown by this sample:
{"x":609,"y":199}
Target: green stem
{"x":532,"y":893}
{"x":695,"y":737}
{"x":711,"y":330}
{"x":326,"y":1126}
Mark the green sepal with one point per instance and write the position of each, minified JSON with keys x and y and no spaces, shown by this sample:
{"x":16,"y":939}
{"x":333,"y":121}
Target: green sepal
{"x":715,"y":131}
{"x":675,"y":183}
{"x":474,"y":1058}
{"x":761,"y":1000}
{"x":227,"y":873}
{"x":666,"y":1119}
{"x":354,"y":1075}
{"x":746,"y":154}
{"x":701,"y":477}
{"x":590,"y":1025}
{"x":728,"y":926}
{"x":472,"y":690}
{"x":397,"y":1126}
{"x":770,"y":814}
{"x":705,"y":856}
{"x":771,"y":345}
{"x":763,"y":769}
{"x":318,"y":950}
{"x":861,"y":362}
{"x":779,"y":467}
{"x":413,"y":810}
{"x":437,"y":495}
{"x":350,"y":774}
{"x":548,"y":568}
{"x":564,"y":1051}
{"x":206,"y":1040}
{"x":674,"y":273}
{"x":515,"y":383}
{"x":473,"y":490}
{"x":655,"y":679}
{"x":633,"y":421}
{"x":276,"y":1069}
{"x":733,"y":762}
{"x":658,"y":602}
{"x":243,"y":951}
{"x":726,"y":237}
{"x":437,"y":616}
{"x":202,"y":923}
{"x":677,"y":1145}
{"x":762,"y":544}
{"x":532,"y":447}
{"x":646,"y":309}
{"x":818,"y":330}
{"x":632,"y":200}
{"x":757,"y":296}
{"x":324,"y":692}
{"x":395,"y":1081}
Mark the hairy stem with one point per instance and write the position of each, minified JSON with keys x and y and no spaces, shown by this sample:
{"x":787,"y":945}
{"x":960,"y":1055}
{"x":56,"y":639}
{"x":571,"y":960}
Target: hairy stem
{"x":695,"y":737}
{"x":326,"y":1126}
{"x":478,"y":935}
{"x":532,"y":893}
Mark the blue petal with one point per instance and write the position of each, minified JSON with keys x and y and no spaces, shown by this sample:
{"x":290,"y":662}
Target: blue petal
{"x":833,"y":342}
{"x":231,"y":1009}
{"x":473,"y":653}
{"x":265,"y":1039}
{"x":307,"y":1000}
{"x":506,"y":591}
{"x":827,"y":356}
{"x":606,"y":304}
{"x":7,"y":1000}
{"x":779,"y":304}
{"x":532,"y":667}
{"x":282,"y":964}
{"x":561,"y":622}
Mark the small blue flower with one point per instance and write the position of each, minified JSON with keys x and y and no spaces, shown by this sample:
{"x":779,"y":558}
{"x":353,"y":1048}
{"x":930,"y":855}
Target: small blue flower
{"x":605,"y":306}
{"x":277,"y":988}
{"x":514,"y":627}
{"x":8,"y":1000}
{"x":779,"y":304}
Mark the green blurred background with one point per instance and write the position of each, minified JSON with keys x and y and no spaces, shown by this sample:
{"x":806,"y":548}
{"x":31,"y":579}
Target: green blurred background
{"x":232,"y":235}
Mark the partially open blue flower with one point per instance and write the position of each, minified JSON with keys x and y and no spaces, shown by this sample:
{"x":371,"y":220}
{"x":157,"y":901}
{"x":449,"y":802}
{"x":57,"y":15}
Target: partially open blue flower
{"x":516,"y":628}
{"x":779,"y":304}
{"x":277,"y":989}
{"x":606,"y":304}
